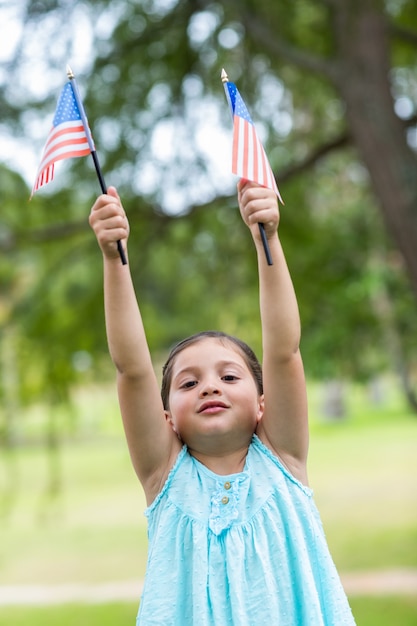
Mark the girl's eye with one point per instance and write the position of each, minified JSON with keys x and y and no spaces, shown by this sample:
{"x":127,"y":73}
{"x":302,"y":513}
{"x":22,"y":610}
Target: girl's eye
{"x":230,"y":377}
{"x":189,"y":384}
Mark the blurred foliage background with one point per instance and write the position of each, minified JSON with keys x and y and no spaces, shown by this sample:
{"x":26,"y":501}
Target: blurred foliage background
{"x":332,"y":88}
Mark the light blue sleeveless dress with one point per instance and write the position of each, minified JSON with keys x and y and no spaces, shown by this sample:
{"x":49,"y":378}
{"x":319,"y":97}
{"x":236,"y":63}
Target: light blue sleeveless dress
{"x":246,"y":549}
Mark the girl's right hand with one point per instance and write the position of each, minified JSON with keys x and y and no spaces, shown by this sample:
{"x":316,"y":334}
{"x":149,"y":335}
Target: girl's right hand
{"x":109,"y":222}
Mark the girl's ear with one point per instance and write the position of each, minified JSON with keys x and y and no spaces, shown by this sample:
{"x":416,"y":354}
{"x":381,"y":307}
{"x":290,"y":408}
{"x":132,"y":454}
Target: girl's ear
{"x":261,"y":408}
{"x":170,"y":421}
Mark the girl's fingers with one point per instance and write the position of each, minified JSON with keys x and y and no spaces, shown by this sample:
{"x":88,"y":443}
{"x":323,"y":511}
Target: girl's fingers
{"x":112,"y":191}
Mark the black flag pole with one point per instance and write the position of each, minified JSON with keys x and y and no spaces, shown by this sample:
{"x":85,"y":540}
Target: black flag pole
{"x":100,"y":176}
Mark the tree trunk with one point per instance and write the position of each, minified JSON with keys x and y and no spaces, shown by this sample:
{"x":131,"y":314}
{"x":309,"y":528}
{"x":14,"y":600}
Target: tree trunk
{"x":362,"y":41}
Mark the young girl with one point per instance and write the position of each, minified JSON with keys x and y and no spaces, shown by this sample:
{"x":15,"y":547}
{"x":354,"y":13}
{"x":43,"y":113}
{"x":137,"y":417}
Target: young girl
{"x":234,"y":535}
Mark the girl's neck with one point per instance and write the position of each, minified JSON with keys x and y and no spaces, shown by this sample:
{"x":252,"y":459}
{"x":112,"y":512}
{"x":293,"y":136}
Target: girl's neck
{"x":222,"y":464}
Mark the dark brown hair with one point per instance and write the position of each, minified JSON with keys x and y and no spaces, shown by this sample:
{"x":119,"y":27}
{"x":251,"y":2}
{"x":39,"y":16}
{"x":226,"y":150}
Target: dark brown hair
{"x":246,"y":352}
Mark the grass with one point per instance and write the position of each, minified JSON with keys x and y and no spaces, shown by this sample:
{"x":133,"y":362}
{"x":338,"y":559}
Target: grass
{"x":111,"y":614}
{"x":363,"y":480}
{"x":87,"y":524}
{"x":363,"y":473}
{"x":93,"y":530}
{"x":384,"y":611}
{"x":365,"y":489}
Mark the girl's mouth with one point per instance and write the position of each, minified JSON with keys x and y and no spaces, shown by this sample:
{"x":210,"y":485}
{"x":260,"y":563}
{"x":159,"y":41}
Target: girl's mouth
{"x":212,"y":406}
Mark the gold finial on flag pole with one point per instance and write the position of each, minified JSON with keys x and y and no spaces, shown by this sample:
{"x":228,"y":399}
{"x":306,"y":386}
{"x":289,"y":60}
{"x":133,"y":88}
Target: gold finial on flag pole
{"x":70,"y":73}
{"x":224,"y":76}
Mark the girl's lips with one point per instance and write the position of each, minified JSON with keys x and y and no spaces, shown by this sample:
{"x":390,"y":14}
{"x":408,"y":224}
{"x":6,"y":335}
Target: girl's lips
{"x":212,"y":407}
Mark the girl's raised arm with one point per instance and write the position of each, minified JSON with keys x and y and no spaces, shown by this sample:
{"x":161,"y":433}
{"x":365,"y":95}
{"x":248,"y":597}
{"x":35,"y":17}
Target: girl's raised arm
{"x":152,"y":443}
{"x":284,"y":426}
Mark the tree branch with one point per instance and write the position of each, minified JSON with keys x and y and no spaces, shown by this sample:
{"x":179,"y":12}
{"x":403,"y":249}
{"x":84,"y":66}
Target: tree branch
{"x":343,"y":140}
{"x":311,"y":159}
{"x":277,"y":46}
{"x":405,"y":34}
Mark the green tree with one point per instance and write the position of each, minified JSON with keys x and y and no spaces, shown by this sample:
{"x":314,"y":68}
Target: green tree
{"x":331,"y":86}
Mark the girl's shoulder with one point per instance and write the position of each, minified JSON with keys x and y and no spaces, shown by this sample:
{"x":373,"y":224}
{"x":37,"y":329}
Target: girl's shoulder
{"x":259,"y":453}
{"x":182,"y":456}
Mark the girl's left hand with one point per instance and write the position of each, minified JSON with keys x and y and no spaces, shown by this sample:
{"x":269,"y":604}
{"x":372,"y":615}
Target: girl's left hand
{"x":258,"y":205}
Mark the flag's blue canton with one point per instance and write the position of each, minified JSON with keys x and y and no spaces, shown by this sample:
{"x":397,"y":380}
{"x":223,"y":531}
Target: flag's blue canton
{"x":238,"y":106}
{"x":67,"y":109}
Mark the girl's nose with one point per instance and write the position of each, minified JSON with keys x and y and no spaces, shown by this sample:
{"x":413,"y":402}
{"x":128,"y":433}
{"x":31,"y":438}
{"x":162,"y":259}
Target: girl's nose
{"x":209,"y":389}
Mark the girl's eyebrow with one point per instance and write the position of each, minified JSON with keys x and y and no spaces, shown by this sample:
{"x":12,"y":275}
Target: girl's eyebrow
{"x":231,"y":364}
{"x":185,"y":370}
{"x":195,"y":369}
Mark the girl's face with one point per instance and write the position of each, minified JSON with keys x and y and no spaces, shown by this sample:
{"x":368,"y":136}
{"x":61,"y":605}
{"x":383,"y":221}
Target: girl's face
{"x":213,"y":399}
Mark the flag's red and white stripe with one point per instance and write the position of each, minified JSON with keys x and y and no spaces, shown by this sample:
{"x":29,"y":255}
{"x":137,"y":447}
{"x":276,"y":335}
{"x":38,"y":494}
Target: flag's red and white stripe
{"x":249,"y":159}
{"x":65,"y":141}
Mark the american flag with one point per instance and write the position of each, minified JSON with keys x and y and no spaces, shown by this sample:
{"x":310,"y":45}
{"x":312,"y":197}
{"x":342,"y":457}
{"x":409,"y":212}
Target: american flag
{"x":67,"y":137}
{"x":249,"y":159}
